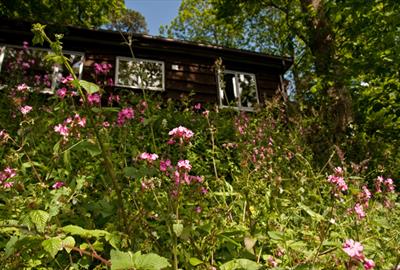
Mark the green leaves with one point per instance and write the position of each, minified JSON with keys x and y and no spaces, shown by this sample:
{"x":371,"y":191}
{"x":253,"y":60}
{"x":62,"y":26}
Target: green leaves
{"x":68,"y":243}
{"x":177,"y":228}
{"x":240,"y":264}
{"x":39,"y":218}
{"x":76,"y":230}
{"x":52,"y":245}
{"x":90,"y":87}
{"x":126,"y":260}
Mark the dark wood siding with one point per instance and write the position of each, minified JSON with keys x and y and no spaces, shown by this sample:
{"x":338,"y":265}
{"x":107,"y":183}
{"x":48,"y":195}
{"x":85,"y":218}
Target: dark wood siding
{"x":189,"y":67}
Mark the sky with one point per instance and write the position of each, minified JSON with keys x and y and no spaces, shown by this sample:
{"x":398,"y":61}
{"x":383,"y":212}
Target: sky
{"x":156,"y":12}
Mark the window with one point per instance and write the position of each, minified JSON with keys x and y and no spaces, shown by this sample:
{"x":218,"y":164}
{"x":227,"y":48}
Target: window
{"x":238,"y":89}
{"x":140,"y":73}
{"x":28,"y":66}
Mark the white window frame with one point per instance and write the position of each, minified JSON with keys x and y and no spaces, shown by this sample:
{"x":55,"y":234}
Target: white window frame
{"x":236,"y":87}
{"x":4,"y":47}
{"x":118,"y":58}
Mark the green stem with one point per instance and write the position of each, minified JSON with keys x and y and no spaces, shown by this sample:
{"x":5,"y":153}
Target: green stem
{"x":104,"y":149}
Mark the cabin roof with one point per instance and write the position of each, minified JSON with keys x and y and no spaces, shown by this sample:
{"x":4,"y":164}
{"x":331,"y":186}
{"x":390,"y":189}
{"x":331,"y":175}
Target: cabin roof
{"x":80,"y":38}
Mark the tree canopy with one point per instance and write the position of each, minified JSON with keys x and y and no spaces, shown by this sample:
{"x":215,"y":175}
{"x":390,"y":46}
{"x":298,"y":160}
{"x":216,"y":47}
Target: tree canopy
{"x":346,"y":56}
{"x":88,"y":13}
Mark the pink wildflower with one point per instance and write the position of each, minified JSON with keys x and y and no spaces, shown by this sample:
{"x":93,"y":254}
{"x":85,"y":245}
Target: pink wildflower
{"x":170,"y":142}
{"x":103,"y":68}
{"x":94,"y":99}
{"x":369,"y":264}
{"x":148,"y":156}
{"x":197,"y":106}
{"x":110,"y":82}
{"x":67,"y":79}
{"x":272,"y":262}
{"x":25,"y":109}
{"x":206,"y":113}
{"x":198,"y":209}
{"x":389,"y":184}
{"x":359,"y":210}
{"x":181,"y":133}
{"x":8,"y":184}
{"x":366,"y":193}
{"x":164,"y":165}
{"x":62,"y":129}
{"x":106,"y":124}
{"x":25,"y":45}
{"x":353,"y":249}
{"x":62,"y":92}
{"x":9,"y":172}
{"x":3,"y":135}
{"x":125,"y":114}
{"x":58,"y":185}
{"x":338,"y":171}
{"x":337,"y":179}
{"x":185,"y":165}
{"x":22,"y":87}
{"x":378,"y":183}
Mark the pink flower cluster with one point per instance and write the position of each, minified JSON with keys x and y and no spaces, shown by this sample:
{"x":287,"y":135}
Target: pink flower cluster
{"x":58,"y":185}
{"x":181,"y":133}
{"x":67,"y":80}
{"x":22,"y":87}
{"x":148,"y":157}
{"x":5,"y":175}
{"x":113,"y":98}
{"x":338,"y":180}
{"x":387,"y":183}
{"x":25,"y":109}
{"x":3,"y":135}
{"x":102,"y":68}
{"x":362,"y":202}
{"x":94,"y":99}
{"x":355,"y":251}
{"x":71,"y":126}
{"x":180,"y":174}
{"x":124,"y":115}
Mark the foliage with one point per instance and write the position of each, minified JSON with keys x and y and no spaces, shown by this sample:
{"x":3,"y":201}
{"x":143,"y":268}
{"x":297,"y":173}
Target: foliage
{"x":91,"y":180}
{"x":129,"y":21}
{"x":338,"y":47}
{"x":66,"y":12}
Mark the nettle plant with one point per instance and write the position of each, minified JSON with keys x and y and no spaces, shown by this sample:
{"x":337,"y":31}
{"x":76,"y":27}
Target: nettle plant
{"x":94,"y":180}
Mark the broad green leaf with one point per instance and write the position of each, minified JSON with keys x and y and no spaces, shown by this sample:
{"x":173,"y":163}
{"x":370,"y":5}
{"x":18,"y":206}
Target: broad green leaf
{"x":137,"y":261}
{"x":91,"y":88}
{"x":67,"y":243}
{"x":76,"y":230}
{"x":52,"y":245}
{"x":275,"y":235}
{"x":240,"y":264}
{"x":310,"y":212}
{"x":114,"y":239}
{"x":249,"y":243}
{"x":121,"y":260}
{"x":150,"y":261}
{"x":177,"y":228}
{"x":39,"y":218}
{"x":9,"y":248}
{"x":195,"y":262}
{"x":92,"y":148}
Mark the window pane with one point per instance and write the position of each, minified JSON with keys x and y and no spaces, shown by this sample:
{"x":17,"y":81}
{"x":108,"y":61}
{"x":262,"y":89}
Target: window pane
{"x":140,"y":74}
{"x":28,"y":66}
{"x":228,"y":93}
{"x":247,"y":90}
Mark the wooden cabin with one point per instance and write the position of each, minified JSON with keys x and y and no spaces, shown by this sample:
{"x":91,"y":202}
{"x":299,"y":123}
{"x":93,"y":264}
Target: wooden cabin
{"x":169,"y":66}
